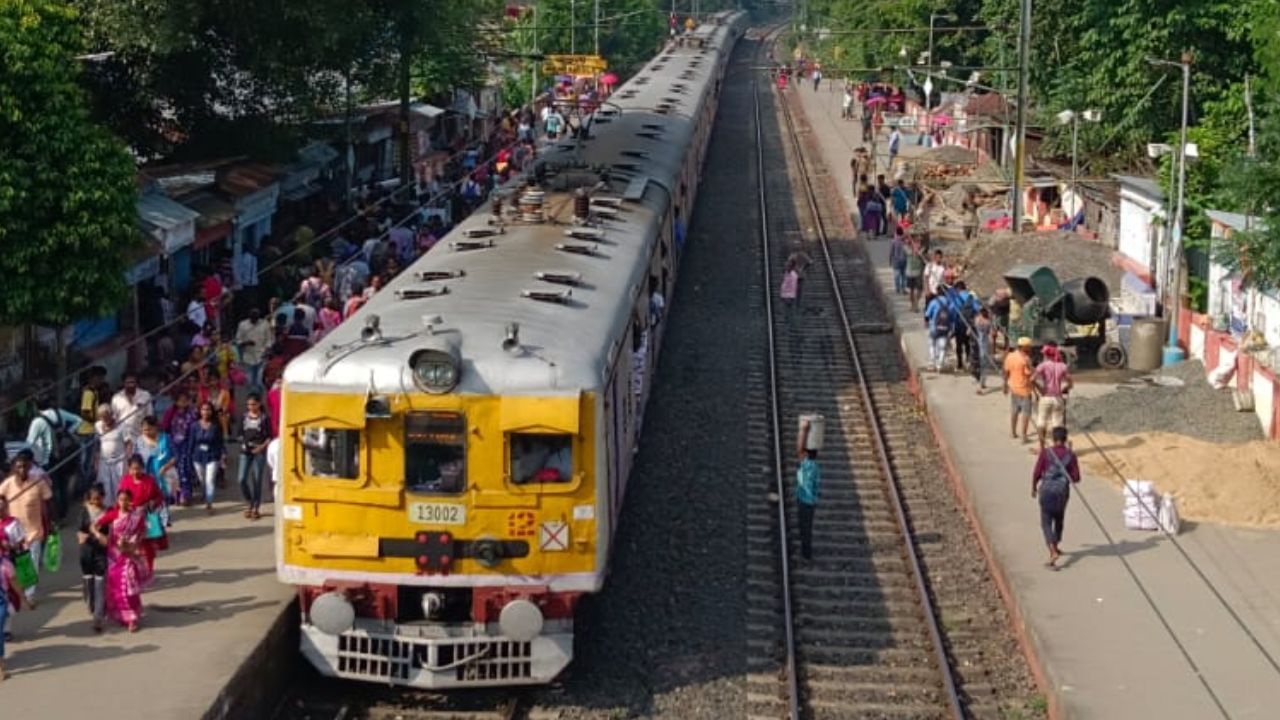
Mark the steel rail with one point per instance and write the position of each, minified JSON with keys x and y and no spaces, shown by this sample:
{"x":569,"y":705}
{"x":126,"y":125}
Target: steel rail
{"x":788,"y":616}
{"x":877,"y":430}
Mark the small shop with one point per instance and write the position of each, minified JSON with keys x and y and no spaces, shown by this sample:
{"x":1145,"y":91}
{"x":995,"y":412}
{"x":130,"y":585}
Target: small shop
{"x":254,"y":192}
{"x":172,"y":226}
{"x":213,"y":231}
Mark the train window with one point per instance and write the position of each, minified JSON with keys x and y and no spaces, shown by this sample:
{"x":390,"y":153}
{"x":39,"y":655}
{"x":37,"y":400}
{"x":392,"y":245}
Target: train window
{"x":330,"y":453}
{"x":435,"y":452}
{"x":538,"y":458}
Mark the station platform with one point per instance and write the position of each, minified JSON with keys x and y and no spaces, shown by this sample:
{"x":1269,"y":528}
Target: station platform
{"x":1127,"y":627}
{"x":217,"y":636}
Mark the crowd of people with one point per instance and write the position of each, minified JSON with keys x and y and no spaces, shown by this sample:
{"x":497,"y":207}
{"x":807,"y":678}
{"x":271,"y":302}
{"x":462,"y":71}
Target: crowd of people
{"x":130,"y":457}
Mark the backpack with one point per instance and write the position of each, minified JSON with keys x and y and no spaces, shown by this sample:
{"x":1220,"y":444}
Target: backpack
{"x":63,"y":445}
{"x":941,"y":321}
{"x":1056,"y":481}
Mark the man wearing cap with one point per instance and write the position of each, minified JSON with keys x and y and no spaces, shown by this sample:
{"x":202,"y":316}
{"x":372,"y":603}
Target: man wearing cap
{"x":1018,"y":386}
{"x":1052,"y":380}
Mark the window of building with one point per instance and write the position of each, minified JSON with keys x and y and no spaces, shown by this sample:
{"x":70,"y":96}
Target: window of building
{"x":537,"y":458}
{"x":330,"y":453}
{"x":435,"y":452}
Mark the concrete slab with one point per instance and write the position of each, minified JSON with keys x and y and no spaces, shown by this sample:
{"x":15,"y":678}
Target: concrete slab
{"x":1128,"y":628}
{"x":213,"y":606}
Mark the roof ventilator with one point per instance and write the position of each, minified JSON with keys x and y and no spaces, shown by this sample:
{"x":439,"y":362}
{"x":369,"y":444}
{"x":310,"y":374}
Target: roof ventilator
{"x":436,"y":275}
{"x":586,"y":233}
{"x":649,"y":135}
{"x":478,"y":233}
{"x":637,"y":154}
{"x":552,"y":296}
{"x":465,"y":245}
{"x":576,"y":248}
{"x":559,"y":277}
{"x":606,"y":200}
{"x":422,"y":293}
{"x":581,"y":206}
{"x":531,"y":202}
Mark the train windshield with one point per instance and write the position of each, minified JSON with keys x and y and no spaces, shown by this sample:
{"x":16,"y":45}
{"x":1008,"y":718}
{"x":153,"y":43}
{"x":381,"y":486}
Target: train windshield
{"x":331,"y":453}
{"x":538,"y":458}
{"x":435,"y":450}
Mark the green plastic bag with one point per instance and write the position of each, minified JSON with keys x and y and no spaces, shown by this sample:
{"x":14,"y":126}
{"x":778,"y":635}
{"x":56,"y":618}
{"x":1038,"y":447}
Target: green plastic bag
{"x":52,"y":559}
{"x":24,"y":570}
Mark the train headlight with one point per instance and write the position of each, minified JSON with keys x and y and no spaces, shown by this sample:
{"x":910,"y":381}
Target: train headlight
{"x":520,"y":620}
{"x":434,"y":371}
{"x":332,"y":613}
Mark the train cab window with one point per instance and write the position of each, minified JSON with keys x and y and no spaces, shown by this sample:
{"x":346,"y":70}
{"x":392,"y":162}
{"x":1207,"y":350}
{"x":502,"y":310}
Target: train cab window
{"x":329,"y":453}
{"x":537,"y":458}
{"x":435,"y":452}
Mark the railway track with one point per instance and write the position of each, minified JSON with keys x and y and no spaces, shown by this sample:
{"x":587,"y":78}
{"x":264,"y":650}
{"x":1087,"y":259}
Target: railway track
{"x":880,"y":624}
{"x":330,"y":702}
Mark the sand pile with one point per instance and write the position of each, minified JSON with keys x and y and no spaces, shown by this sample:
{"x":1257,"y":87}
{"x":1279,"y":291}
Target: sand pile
{"x":1234,"y":484}
{"x":1067,"y":254}
{"x":949,"y":155}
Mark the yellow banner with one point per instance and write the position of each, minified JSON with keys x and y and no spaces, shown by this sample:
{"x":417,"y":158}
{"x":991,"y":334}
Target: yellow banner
{"x":574,"y":65}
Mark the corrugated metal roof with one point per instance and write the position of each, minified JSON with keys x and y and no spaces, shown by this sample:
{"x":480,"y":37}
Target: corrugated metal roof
{"x":1236,"y":221}
{"x":161,"y":212}
{"x":1145,"y":185}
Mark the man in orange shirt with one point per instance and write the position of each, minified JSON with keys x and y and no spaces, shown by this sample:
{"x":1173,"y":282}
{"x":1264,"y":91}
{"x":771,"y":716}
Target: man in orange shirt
{"x":1018,"y":386}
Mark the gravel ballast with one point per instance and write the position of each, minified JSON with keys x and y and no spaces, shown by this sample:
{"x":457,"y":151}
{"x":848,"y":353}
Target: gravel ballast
{"x":1193,"y":408}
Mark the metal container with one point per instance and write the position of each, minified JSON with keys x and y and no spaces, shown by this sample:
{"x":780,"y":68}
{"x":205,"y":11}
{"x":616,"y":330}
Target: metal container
{"x":1146,"y":340}
{"x":817,"y":431}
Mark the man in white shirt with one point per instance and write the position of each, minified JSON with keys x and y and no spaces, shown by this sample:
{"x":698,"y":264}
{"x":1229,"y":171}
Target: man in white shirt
{"x":131,"y":405}
{"x":934,"y":273}
{"x":253,"y":337}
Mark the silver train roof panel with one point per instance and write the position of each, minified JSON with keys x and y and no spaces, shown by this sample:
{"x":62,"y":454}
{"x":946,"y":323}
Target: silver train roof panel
{"x":566,"y":347}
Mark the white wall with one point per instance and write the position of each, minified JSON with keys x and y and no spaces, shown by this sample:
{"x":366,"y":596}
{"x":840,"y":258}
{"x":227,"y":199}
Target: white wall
{"x":1137,"y":216}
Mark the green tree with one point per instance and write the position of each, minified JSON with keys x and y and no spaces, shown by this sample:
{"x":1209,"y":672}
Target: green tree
{"x":67,"y":187}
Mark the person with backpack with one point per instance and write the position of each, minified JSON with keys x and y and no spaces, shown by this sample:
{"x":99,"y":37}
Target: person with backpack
{"x":964,"y":309}
{"x":52,"y":438}
{"x":313,"y":291}
{"x":1057,"y":469}
{"x":938,"y":319}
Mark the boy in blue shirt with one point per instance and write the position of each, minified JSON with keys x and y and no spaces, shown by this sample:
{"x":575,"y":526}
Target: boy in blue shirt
{"x":808,"y":478}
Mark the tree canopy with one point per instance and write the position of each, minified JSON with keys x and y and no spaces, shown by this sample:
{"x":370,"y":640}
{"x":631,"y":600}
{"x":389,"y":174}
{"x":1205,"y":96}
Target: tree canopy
{"x":67,"y":187}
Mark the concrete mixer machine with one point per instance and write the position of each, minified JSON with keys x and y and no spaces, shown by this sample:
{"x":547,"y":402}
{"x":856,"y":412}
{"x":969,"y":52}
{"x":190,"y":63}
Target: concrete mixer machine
{"x":1072,"y":314}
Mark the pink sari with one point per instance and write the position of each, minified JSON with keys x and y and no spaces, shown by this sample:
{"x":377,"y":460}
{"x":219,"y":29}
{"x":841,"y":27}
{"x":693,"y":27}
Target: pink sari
{"x":127,"y":571}
{"x":8,"y":576}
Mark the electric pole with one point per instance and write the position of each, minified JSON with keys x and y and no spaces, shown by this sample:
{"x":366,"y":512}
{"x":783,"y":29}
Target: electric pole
{"x":1020,"y":133}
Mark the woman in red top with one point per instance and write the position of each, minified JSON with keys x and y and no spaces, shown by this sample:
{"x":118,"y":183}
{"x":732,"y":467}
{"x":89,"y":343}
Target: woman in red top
{"x":146,"y":496}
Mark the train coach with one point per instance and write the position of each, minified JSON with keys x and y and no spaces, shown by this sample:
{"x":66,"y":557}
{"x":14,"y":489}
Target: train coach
{"x":454,"y":456}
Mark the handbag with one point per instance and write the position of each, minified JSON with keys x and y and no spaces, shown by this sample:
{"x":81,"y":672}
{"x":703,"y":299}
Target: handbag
{"x":24,"y":570}
{"x":155,"y":526}
{"x":52,"y":559}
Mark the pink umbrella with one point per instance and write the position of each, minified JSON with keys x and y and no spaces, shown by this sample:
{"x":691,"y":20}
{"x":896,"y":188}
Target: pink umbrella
{"x":877,"y":100}
{"x":608,"y":79}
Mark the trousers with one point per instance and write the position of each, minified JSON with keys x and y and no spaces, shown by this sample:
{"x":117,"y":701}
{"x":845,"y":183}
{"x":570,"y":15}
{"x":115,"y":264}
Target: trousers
{"x":1053,"y":514}
{"x":806,"y":529}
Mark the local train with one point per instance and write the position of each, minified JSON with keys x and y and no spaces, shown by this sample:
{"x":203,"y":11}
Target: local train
{"x":454,"y":457}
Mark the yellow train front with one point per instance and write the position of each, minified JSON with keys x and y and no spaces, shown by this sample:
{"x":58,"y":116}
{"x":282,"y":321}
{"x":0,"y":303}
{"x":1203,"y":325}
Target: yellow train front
{"x":454,"y":456}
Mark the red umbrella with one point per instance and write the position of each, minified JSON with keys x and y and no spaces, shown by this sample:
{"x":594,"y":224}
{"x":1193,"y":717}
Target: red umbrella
{"x":608,"y":79}
{"x":877,"y":100}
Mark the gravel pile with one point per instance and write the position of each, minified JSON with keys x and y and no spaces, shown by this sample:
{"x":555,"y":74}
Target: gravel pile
{"x":949,"y":155}
{"x":1194,"y":409}
{"x":991,"y":255}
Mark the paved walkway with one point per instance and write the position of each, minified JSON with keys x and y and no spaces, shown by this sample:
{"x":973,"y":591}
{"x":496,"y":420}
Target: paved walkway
{"x":1127,"y":629}
{"x":213,"y":600}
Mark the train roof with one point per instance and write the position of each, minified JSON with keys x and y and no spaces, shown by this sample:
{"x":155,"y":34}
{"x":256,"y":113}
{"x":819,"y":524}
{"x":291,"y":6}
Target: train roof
{"x":639,"y":141}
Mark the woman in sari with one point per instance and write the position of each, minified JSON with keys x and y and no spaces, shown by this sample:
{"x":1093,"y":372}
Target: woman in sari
{"x":144,"y":491}
{"x":159,"y":462}
{"x":177,"y":424}
{"x":12,"y":541}
{"x":121,"y":530}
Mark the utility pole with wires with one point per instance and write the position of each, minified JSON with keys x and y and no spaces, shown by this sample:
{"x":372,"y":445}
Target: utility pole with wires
{"x":1020,"y":133}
